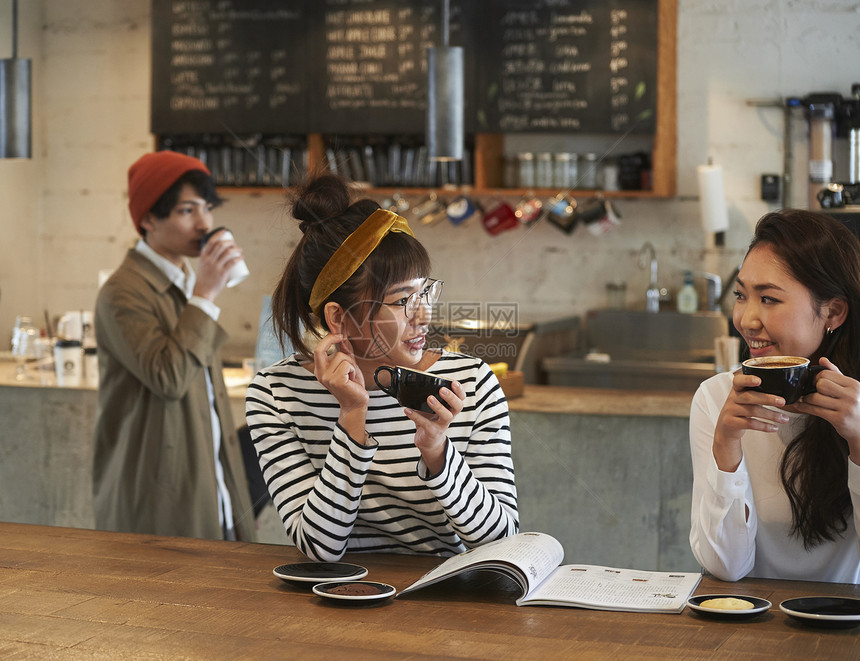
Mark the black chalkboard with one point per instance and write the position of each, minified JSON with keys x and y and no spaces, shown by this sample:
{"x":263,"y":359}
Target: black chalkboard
{"x":569,"y":66}
{"x":223,"y":66}
{"x":359,"y":66}
{"x":372,"y":63}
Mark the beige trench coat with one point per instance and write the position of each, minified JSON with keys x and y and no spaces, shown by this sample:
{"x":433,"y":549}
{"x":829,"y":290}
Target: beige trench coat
{"x":154,"y":464}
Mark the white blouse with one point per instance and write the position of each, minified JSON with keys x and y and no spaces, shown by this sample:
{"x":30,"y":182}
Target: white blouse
{"x":730,"y":545}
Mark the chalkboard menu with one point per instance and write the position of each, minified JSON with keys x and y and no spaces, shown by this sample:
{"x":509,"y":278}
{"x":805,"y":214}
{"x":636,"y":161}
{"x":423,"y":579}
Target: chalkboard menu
{"x":359,"y":66}
{"x":372,"y":57}
{"x":225,"y":66}
{"x":569,"y":65}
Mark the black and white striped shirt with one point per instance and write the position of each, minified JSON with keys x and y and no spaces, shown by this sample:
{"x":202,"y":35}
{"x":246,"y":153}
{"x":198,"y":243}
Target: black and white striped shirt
{"x":335,"y":495}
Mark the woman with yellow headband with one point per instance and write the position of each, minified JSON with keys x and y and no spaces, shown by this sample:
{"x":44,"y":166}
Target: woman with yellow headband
{"x":348,"y":468}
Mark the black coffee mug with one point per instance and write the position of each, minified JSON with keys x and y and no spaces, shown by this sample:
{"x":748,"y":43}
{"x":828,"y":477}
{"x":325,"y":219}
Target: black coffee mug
{"x":412,"y":387}
{"x":789,"y":377}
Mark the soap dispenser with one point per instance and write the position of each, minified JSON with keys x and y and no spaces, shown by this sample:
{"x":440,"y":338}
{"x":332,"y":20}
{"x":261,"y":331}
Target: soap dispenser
{"x":688,"y":299}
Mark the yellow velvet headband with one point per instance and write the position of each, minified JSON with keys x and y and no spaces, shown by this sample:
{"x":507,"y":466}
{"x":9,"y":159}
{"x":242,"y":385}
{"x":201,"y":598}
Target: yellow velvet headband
{"x":352,"y":253}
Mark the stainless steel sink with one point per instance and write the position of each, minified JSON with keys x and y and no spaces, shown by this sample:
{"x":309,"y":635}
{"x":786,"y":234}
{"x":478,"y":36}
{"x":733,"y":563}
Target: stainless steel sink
{"x":631,"y":349}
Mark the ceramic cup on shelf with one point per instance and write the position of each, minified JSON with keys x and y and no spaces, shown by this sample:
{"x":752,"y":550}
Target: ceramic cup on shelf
{"x":461,"y":209}
{"x":500,"y":216}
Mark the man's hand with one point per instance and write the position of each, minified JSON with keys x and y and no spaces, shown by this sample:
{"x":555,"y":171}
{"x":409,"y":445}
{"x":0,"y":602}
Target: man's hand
{"x":216,"y":260}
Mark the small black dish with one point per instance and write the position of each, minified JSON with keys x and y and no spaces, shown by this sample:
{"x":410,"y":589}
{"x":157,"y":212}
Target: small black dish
{"x":319,"y":572}
{"x":354,"y":590}
{"x":830,"y":612}
{"x":759,"y":606}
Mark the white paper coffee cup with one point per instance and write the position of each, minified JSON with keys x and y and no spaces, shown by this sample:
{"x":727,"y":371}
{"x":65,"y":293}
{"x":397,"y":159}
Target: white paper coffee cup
{"x":240,"y":269}
{"x":68,"y":363}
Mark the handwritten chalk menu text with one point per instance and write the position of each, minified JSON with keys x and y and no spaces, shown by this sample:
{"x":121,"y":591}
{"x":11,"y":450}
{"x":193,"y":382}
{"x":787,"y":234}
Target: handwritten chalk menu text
{"x":569,"y":66}
{"x":226,"y":66}
{"x":360,"y":66}
{"x":375,"y":58}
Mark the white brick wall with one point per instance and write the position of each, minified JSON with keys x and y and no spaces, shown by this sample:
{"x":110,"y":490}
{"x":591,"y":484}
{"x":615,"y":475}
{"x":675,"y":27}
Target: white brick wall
{"x":63,"y":215}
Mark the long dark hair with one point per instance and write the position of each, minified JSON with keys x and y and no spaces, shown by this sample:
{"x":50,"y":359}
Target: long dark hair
{"x":824,"y":256}
{"x":326,"y":217}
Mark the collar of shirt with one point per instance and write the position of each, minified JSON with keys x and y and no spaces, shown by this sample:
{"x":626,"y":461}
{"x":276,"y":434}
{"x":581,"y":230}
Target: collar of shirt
{"x":184,"y":279}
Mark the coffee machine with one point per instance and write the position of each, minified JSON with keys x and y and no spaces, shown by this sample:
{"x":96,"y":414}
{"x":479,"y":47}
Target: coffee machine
{"x":834,"y":185}
{"x":833,"y":120}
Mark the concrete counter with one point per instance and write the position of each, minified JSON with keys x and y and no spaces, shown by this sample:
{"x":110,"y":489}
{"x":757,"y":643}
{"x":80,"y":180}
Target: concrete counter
{"x":606,"y":472}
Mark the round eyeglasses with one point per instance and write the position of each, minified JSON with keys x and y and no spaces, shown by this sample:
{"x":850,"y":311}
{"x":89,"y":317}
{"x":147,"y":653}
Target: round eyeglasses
{"x":430,"y":294}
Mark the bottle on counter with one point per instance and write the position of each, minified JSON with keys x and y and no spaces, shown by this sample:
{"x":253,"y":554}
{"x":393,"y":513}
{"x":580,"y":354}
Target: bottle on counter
{"x":688,"y":299}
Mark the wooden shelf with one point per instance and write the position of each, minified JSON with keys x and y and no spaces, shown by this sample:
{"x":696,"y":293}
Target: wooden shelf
{"x":457,"y":190}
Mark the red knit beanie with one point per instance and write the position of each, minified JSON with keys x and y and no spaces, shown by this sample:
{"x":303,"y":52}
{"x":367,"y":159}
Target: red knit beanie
{"x":151,"y":175}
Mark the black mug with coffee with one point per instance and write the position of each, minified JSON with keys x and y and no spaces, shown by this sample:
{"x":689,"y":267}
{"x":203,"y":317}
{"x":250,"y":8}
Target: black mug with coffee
{"x":412,"y":387}
{"x":789,"y":377}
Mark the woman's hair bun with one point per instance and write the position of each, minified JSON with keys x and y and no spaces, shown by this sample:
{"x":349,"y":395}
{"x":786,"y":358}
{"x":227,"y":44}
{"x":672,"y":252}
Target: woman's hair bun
{"x":320,"y":199}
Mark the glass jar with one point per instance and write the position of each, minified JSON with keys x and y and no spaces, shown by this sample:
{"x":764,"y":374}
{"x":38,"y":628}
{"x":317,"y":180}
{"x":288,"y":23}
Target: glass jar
{"x":589,"y":171}
{"x":564,"y":170}
{"x":543,"y":176}
{"x":526,"y":169}
{"x":610,"y":175}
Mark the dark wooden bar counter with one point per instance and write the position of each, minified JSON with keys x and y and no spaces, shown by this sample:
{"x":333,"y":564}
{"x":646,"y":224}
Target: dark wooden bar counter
{"x":74,"y":594}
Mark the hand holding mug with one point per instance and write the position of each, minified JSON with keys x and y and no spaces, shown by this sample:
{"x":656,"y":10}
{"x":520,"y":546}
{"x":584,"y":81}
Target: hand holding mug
{"x":221,"y":264}
{"x":745,"y":408}
{"x":431,"y":431}
{"x":837,"y":400}
{"x":431,"y":402}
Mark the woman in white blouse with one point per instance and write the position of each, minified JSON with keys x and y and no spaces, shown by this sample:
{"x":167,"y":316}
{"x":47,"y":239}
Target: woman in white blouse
{"x":776,"y":488}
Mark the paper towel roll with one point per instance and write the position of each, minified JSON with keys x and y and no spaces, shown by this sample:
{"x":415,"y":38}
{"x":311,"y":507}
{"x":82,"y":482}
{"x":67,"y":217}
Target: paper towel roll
{"x":712,"y":198}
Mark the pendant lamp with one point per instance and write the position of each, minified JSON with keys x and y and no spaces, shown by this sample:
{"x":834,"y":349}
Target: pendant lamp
{"x":445,"y":98}
{"x":15,"y":74}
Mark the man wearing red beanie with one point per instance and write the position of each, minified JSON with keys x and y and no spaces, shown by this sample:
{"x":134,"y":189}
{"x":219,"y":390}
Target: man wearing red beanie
{"x":167,"y":457}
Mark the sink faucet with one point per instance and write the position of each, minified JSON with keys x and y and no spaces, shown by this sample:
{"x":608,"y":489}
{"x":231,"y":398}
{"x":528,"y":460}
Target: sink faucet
{"x":652,"y":295}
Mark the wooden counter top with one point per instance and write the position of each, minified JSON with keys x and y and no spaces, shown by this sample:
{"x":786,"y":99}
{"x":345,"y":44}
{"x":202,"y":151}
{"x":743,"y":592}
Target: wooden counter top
{"x":602,"y":401}
{"x":67,"y":593}
{"x":535,"y":399}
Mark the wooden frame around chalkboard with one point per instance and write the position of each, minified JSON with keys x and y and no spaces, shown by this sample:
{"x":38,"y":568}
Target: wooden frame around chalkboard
{"x":489,"y":147}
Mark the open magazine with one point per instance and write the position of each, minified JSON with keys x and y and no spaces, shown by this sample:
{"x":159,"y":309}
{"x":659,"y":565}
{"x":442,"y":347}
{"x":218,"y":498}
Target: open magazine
{"x":532,"y":560}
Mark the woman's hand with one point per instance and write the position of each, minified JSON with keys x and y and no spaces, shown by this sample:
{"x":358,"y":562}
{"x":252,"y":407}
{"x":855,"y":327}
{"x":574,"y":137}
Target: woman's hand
{"x":340,"y":375}
{"x":430,"y":436}
{"x":744,"y":409}
{"x":837,"y":400}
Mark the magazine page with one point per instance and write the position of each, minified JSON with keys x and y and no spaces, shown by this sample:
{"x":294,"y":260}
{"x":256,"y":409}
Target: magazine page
{"x":532,"y":555}
{"x":608,"y":588}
